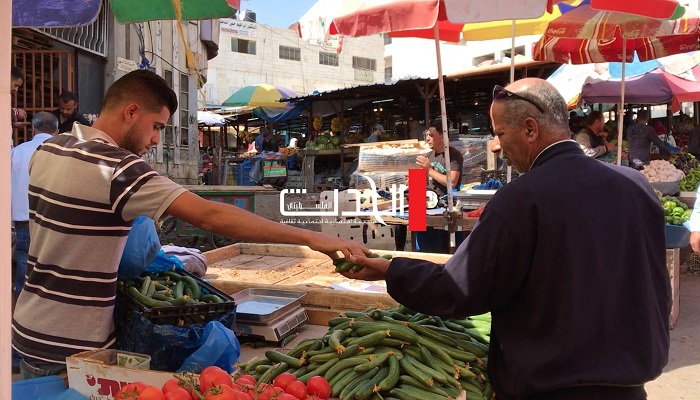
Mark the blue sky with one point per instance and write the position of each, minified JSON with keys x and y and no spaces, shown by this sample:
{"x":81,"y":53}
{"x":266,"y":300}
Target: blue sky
{"x":280,"y":13}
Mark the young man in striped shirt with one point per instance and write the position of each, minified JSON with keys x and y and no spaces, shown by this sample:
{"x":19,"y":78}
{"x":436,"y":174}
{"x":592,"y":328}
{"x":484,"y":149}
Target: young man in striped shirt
{"x":85,"y":190}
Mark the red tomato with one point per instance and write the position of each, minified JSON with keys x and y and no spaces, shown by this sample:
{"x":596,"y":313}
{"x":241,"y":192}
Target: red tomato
{"x":212,"y":376}
{"x":152,"y":393}
{"x":263,"y":391}
{"x":178,"y":394}
{"x":241,"y":396}
{"x":318,"y":386}
{"x":311,"y":398}
{"x":171,"y":384}
{"x":246,"y":380}
{"x":219,"y":392}
{"x":131,"y":390}
{"x":297,"y":389}
{"x":286,"y":396}
{"x":283,"y":379}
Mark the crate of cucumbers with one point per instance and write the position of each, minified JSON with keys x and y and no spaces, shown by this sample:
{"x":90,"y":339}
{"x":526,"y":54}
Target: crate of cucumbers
{"x":174,"y":298}
{"x":165,"y":315}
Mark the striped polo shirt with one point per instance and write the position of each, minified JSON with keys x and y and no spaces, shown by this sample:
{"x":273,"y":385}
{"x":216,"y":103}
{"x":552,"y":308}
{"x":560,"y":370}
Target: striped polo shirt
{"x":84,"y":194}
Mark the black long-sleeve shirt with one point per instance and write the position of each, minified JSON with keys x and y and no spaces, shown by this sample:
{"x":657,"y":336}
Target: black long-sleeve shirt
{"x":570,"y":260}
{"x":640,"y":137}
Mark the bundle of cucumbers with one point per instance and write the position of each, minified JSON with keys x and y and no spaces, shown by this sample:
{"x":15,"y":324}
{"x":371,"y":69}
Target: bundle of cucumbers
{"x":343,"y":265}
{"x":168,"y":289}
{"x":394,"y":353}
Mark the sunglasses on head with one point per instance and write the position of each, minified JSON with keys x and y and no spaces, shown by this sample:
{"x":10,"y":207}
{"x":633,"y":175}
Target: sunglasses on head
{"x":500,"y":93}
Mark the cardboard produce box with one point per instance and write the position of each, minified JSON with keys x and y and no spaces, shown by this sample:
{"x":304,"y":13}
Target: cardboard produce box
{"x":97,"y":375}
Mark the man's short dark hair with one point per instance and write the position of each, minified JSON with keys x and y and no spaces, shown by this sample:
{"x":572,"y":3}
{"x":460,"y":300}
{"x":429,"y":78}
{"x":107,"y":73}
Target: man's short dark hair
{"x":67,"y":97}
{"x":643,"y":115}
{"x":437,"y":125}
{"x":17,"y":73}
{"x":45,"y":122}
{"x":144,"y":88}
{"x":593,"y":117}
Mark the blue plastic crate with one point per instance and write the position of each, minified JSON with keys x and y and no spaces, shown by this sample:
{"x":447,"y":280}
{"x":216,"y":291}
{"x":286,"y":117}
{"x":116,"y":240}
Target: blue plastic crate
{"x":47,"y":387}
{"x":241,"y":174}
{"x":677,"y":236}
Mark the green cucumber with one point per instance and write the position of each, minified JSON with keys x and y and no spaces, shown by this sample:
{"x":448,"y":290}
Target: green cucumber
{"x":146,"y":301}
{"x":276,"y":356}
{"x":194,"y":285}
{"x":393,"y":376}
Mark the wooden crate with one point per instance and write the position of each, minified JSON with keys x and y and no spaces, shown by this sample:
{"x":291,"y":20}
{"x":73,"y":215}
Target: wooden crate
{"x":250,"y":265}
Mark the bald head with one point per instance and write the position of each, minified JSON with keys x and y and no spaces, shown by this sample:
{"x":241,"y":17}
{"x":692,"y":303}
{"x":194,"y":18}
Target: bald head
{"x":527,"y":117}
{"x":554,"y":122}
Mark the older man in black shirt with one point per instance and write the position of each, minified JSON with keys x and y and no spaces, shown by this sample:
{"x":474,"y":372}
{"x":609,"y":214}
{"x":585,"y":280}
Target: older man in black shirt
{"x":67,"y":112}
{"x":573,"y":318}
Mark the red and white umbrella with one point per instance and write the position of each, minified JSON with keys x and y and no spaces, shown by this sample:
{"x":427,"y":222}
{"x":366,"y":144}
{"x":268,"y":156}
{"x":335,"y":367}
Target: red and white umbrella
{"x":432,"y":19}
{"x":584,"y":35}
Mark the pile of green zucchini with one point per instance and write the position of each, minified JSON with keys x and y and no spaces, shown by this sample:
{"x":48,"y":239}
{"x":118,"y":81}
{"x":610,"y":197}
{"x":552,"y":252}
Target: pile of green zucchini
{"x":168,"y":289}
{"x":390,"y":354}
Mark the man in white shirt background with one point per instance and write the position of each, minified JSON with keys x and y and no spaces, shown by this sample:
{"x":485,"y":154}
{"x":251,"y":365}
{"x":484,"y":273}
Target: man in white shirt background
{"x":44,"y":126}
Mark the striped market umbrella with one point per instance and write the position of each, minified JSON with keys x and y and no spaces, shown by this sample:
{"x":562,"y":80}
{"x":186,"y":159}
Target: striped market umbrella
{"x":430,"y":19}
{"x":585,"y":35}
{"x":262,"y":95}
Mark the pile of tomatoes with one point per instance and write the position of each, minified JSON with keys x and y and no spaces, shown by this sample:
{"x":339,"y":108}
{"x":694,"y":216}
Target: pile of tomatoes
{"x":216,"y":384}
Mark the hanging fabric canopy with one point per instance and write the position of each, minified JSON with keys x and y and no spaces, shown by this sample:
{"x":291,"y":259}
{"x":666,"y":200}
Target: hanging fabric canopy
{"x":69,"y":13}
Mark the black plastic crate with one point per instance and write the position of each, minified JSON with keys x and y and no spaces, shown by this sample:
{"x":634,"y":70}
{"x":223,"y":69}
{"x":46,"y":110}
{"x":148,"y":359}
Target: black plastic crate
{"x":173,"y":314}
{"x":498,"y":175}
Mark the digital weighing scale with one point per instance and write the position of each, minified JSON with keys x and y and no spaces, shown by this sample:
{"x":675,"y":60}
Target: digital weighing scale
{"x":271,"y":314}
{"x":276,"y":330}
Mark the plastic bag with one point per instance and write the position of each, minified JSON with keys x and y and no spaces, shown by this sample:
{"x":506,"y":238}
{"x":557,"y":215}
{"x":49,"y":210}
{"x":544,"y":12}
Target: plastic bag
{"x":220,"y":348}
{"x":163,"y":262}
{"x":142,"y":247}
{"x":168,"y":345}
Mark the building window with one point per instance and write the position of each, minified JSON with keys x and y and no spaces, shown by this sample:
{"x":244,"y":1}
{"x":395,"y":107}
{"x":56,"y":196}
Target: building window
{"x":519,"y":51}
{"x":169,"y":139}
{"x":364,"y":63}
{"x":387,"y":39}
{"x":387,"y":74}
{"x":243,"y":46}
{"x":325,"y":58}
{"x":486,"y":59}
{"x":184,"y":110}
{"x":290,"y":53}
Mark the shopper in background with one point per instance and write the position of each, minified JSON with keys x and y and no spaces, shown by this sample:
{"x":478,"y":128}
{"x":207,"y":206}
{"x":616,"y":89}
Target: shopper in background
{"x":592,"y":136}
{"x":44,"y":126}
{"x":86,"y":190}
{"x":19,"y":116}
{"x":67,"y":112}
{"x":640,"y":136}
{"x":553,"y":293}
{"x":663,"y":135}
{"x":416,"y":130}
{"x":377,"y":133}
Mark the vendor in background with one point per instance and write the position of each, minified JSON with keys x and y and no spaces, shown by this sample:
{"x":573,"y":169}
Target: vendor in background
{"x":640,"y":136}
{"x":549,"y":296}
{"x":377,"y":133}
{"x":265,"y":142}
{"x":437,"y":240}
{"x":592,"y":136}
{"x":103,"y":184}
{"x":67,"y":112}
